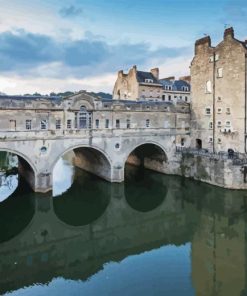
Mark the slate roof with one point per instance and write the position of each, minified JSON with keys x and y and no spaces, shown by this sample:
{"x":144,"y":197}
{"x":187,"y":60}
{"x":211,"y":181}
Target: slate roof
{"x":141,"y":76}
{"x":177,"y":85}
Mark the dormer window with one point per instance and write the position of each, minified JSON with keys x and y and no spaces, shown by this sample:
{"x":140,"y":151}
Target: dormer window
{"x":185,"y":88}
{"x":149,"y":80}
{"x":168,"y":87}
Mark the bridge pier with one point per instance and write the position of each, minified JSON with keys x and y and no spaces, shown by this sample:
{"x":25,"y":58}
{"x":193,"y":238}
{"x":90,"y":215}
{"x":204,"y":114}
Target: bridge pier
{"x":43,"y":182}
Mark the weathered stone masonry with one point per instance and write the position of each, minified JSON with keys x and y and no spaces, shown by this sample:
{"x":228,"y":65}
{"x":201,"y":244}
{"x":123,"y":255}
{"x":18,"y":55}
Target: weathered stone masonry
{"x":102,"y":135}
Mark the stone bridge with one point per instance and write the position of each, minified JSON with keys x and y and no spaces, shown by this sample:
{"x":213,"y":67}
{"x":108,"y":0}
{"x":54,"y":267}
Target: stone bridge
{"x":104,"y":135}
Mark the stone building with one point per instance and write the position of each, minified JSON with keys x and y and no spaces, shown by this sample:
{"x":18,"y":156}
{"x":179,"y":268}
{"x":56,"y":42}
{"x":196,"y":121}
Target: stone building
{"x":218,"y":83}
{"x":176,"y":90}
{"x":146,"y":86}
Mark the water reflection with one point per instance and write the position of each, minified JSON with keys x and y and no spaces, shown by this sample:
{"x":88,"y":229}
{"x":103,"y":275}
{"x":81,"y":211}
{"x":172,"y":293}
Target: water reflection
{"x":8,"y":174}
{"x":87,"y":199}
{"x":63,"y":176}
{"x":141,"y":189}
{"x":191,"y":240}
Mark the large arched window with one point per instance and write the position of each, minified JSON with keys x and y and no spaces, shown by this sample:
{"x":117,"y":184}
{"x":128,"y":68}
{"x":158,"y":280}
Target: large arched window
{"x":83,"y":118}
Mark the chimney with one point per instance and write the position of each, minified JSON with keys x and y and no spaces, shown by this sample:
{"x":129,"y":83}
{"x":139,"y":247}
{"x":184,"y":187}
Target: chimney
{"x":185,"y":78}
{"x":229,"y":33}
{"x":120,"y":73}
{"x":202,"y":43}
{"x":170,"y":78}
{"x":155,"y":73}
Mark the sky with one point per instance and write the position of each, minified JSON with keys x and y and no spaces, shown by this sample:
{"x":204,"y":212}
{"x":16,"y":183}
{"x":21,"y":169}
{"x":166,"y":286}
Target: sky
{"x":54,"y":46}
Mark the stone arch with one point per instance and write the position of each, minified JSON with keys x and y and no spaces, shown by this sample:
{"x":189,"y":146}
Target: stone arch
{"x":151,"y":150}
{"x":91,"y":159}
{"x":26,"y":167}
{"x":20,"y":155}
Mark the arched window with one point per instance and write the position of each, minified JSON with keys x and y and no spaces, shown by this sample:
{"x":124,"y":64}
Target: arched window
{"x":83,"y":118}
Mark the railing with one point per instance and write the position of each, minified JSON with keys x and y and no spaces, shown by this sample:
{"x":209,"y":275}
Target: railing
{"x":236,"y":157}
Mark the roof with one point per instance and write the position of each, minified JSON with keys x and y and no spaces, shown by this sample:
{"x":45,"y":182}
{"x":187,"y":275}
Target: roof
{"x":177,"y":85}
{"x":31,"y":98}
{"x":141,"y":76}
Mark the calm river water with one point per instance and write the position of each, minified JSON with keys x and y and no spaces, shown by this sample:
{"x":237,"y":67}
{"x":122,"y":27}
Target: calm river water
{"x":152,"y":235}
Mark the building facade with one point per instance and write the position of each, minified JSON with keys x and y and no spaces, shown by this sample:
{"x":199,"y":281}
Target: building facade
{"x":218,"y":82}
{"x":147,"y":86}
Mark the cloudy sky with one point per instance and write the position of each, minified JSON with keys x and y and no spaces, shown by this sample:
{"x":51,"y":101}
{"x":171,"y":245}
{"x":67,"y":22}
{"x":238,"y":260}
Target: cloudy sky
{"x":53,"y":45}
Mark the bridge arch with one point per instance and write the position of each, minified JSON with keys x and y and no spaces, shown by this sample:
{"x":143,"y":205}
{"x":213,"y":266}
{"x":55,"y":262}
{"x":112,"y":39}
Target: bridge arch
{"x":26,"y":167}
{"x":89,"y":158}
{"x":151,"y":155}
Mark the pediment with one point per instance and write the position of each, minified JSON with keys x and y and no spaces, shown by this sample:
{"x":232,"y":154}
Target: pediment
{"x":81,"y":99}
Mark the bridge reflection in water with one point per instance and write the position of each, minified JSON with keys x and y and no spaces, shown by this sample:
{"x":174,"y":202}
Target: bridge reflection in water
{"x":153,"y":235}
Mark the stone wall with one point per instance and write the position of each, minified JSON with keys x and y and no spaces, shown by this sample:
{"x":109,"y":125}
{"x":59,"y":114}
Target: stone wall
{"x":221,"y":173}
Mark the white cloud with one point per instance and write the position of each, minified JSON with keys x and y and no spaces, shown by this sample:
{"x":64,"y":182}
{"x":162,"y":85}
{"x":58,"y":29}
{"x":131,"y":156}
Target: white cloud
{"x":13,"y":85}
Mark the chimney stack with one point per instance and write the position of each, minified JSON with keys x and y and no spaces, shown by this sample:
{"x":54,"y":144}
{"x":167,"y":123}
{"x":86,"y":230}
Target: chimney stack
{"x":229,"y":32}
{"x":155,"y":72}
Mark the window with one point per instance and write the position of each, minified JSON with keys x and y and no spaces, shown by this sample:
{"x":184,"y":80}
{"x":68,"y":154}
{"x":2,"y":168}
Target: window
{"x":208,"y":86}
{"x":128,"y":123}
{"x":44,"y":124}
{"x":210,"y":140}
{"x":169,"y":97}
{"x":210,"y":124}
{"x":182,"y":141}
{"x":219,"y":140}
{"x":163,"y":97}
{"x":28,"y":124}
{"x":107,"y":123}
{"x":186,"y":99}
{"x":117,"y":123}
{"x":208,"y":111}
{"x":216,"y":57}
{"x":219,"y":123}
{"x":219,"y":99}
{"x":220,"y":72}
{"x":211,"y":59}
{"x":12,"y":125}
{"x":219,"y":110}
{"x":147,"y":123}
{"x":43,"y":149}
{"x":149,"y":80}
{"x":185,"y":88}
{"x":228,"y":110}
{"x":58,"y":123}
{"x":228,"y":123}
{"x":180,"y":97}
{"x":97,"y":123}
{"x":69,"y":123}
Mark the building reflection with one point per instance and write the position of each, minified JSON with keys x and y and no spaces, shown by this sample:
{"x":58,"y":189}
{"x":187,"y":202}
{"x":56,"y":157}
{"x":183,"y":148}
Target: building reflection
{"x":75,"y":234}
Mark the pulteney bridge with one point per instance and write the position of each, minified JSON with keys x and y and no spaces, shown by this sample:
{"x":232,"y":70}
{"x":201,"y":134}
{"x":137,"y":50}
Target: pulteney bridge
{"x":104,"y":135}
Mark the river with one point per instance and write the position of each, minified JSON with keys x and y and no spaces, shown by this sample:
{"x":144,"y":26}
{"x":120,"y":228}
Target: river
{"x":152,"y":235}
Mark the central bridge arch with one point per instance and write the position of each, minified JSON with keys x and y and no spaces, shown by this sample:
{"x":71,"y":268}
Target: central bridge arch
{"x":89,"y":158}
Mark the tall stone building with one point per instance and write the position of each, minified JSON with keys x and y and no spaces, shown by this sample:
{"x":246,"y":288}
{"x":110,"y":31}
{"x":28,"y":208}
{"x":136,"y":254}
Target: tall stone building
{"x":218,"y":83}
{"x":147,"y":86}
